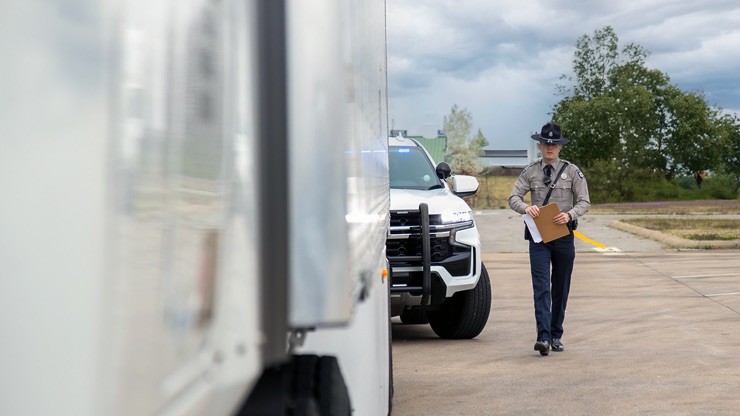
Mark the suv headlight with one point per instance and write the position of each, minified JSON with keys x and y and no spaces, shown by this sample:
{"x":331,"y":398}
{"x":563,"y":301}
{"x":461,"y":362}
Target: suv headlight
{"x":457,"y":217}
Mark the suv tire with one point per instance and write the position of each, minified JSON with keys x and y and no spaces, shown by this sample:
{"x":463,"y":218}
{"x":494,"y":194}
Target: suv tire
{"x":465,"y":314}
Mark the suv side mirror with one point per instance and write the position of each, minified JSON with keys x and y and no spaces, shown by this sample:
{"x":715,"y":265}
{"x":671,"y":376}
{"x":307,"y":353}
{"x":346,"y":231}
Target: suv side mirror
{"x":443,"y":170}
{"x":464,"y":185}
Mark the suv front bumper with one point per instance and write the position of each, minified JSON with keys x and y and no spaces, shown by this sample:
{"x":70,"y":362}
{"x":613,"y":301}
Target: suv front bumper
{"x":455,"y":264}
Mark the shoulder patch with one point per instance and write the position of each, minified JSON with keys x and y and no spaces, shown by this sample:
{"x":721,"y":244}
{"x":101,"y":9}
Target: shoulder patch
{"x":523,"y":172}
{"x":579,"y":173}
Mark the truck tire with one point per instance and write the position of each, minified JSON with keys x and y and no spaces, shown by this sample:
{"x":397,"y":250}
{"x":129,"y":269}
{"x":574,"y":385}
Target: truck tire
{"x":465,"y":314}
{"x":414,"y":316}
{"x":308,"y":385}
{"x":391,"y":391}
{"x":320,"y":386}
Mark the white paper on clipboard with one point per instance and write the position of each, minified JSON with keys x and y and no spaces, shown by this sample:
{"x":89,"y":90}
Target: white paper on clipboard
{"x":532,"y":227}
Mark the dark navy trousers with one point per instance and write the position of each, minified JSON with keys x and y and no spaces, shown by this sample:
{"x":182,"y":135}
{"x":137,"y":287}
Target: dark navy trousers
{"x":551,"y":289}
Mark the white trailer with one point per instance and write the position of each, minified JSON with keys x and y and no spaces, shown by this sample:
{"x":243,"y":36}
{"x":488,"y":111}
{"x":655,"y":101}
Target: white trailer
{"x":195,"y":206}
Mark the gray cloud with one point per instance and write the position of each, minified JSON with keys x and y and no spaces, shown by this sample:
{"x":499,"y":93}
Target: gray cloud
{"x":502,"y":59}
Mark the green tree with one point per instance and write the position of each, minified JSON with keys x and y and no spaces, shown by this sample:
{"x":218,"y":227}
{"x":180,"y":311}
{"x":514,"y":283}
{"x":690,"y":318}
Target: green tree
{"x":621,"y":114}
{"x":463,"y":149}
{"x":639,"y":112}
{"x":728,"y":127}
{"x":692,"y":139}
{"x":478,"y":143}
{"x":610,"y":102}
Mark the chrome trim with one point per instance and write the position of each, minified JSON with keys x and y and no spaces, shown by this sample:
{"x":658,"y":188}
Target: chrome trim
{"x":437,"y":231}
{"x":407,"y":236}
{"x":450,"y":226}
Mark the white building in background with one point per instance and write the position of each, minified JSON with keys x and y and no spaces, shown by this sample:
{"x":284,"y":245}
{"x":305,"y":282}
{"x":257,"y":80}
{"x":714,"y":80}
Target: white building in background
{"x":517,"y":158}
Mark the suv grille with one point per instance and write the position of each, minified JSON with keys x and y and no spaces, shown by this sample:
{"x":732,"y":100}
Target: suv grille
{"x":403,"y":246}
{"x":412,"y":219}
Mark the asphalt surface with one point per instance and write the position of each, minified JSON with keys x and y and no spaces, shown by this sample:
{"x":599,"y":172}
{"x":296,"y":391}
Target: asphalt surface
{"x":649,"y":331}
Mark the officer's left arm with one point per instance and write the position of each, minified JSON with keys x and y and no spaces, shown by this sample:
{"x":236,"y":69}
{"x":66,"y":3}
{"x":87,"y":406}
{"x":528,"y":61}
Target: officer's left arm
{"x":580,"y":195}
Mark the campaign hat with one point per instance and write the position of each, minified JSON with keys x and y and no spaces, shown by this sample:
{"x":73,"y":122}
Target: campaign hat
{"x":550,"y":134}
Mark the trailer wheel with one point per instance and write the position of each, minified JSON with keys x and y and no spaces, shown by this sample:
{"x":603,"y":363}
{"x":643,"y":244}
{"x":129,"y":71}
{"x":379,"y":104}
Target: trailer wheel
{"x":319,"y":385}
{"x":414,"y":316}
{"x":391,"y":391}
{"x":465,"y":314}
{"x":308,"y":385}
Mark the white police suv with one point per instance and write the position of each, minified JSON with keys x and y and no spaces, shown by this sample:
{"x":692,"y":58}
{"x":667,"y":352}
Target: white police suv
{"x":433,"y":247}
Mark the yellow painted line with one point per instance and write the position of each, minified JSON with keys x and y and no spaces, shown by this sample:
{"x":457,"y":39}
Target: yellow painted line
{"x":587,"y":240}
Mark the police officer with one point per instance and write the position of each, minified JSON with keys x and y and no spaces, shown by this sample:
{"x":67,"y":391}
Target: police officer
{"x":566,"y":186}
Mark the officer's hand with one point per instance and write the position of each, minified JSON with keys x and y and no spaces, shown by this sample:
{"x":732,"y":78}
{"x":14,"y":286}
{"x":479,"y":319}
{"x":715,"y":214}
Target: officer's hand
{"x":561,"y":218}
{"x":533,"y":210}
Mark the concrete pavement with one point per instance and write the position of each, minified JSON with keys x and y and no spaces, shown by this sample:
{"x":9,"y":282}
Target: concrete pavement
{"x":502,"y":231}
{"x":648,"y":331}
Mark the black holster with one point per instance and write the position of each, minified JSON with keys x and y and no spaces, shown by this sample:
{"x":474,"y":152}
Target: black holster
{"x":572,"y":225}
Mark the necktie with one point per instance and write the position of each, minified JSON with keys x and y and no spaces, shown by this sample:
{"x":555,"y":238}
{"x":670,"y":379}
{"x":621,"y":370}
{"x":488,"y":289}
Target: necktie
{"x":548,"y":174}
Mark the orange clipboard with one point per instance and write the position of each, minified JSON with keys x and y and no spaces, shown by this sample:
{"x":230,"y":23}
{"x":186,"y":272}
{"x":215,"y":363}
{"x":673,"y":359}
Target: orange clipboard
{"x":548,"y":229}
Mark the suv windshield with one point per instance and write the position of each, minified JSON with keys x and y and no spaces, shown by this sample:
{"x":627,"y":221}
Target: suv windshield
{"x":411,"y":169}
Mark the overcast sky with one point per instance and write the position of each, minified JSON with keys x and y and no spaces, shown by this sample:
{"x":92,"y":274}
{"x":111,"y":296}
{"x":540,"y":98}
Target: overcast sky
{"x":501,"y":59}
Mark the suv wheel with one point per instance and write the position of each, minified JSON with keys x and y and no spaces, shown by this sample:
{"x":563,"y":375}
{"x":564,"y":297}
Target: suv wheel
{"x":465,"y":314}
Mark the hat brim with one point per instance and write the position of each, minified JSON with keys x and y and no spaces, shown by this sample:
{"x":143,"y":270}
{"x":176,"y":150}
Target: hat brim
{"x":561,"y":140}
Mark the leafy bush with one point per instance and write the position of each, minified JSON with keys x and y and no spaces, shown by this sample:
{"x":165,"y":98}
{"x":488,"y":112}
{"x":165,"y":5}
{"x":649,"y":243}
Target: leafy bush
{"x":685,"y":182}
{"x":722,"y":186}
{"x":608,"y":182}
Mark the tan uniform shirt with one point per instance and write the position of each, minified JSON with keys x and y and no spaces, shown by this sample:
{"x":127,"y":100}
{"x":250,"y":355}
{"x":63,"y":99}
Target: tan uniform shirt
{"x":570,"y":193}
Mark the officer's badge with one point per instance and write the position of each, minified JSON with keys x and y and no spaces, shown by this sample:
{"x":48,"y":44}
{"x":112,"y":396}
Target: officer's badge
{"x":580,"y":174}
{"x":563,"y":176}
